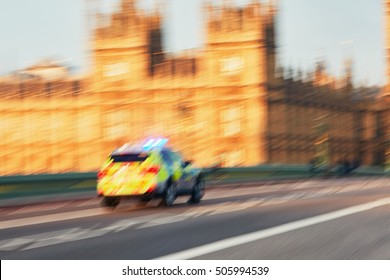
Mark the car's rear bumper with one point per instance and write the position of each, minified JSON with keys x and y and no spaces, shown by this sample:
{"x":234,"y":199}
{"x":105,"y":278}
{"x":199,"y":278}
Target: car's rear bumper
{"x":125,"y":189}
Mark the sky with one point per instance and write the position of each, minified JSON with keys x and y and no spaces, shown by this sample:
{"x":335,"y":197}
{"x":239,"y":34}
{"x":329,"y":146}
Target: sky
{"x":307,"y":31}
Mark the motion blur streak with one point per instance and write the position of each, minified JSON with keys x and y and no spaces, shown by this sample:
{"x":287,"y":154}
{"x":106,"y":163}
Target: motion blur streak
{"x":230,"y":242}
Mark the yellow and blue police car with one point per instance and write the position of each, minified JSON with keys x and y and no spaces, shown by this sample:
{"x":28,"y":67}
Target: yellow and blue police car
{"x":148,"y":171}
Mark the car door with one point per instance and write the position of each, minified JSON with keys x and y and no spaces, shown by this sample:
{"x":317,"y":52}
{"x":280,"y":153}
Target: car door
{"x":188,"y":174}
{"x":168,"y":163}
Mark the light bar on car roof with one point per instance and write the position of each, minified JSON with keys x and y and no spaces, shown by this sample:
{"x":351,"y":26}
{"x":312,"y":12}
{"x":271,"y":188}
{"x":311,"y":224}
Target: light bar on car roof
{"x":123,"y":147}
{"x":148,"y":144}
{"x":154,"y":143}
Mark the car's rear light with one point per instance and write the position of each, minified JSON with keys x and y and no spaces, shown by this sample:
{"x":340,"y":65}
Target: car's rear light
{"x":103,"y":173}
{"x":152,"y":169}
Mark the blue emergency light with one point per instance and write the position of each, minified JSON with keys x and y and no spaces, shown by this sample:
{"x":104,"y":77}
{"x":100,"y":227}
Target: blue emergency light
{"x":154,"y":143}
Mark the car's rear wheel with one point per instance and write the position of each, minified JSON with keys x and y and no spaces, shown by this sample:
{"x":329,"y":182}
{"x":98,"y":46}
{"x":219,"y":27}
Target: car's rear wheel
{"x":197,"y":192}
{"x":169,"y":195}
{"x":111,"y":202}
{"x":144,"y":200}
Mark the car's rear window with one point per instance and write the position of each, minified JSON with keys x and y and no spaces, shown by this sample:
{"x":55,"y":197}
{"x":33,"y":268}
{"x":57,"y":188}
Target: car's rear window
{"x":129,"y":157}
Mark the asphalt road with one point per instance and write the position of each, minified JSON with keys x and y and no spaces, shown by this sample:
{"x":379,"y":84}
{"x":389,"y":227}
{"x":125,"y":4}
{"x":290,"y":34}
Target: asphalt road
{"x":334,"y":219}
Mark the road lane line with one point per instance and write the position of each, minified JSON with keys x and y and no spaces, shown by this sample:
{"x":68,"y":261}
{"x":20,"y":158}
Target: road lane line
{"x":62,"y":239}
{"x":261,"y":234}
{"x":52,"y":218}
{"x":13,"y":244}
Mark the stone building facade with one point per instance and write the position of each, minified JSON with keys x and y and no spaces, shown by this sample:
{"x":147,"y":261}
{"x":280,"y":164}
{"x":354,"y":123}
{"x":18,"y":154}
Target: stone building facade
{"x":225,"y":103}
{"x":303,"y":113}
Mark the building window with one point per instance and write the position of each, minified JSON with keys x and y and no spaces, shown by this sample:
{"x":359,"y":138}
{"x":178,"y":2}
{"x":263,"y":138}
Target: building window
{"x":76,"y":88}
{"x":232,"y":65}
{"x":114,"y":125}
{"x":231,"y":121}
{"x":116,"y":70}
{"x":48,"y":88}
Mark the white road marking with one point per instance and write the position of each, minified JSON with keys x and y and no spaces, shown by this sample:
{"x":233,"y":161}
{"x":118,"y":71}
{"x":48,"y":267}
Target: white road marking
{"x":69,"y":235}
{"x":125,"y":224}
{"x":238,"y":192}
{"x":243,"y":191}
{"x":16,"y":243}
{"x":236,"y":206}
{"x":83,"y":234}
{"x":52,"y":218}
{"x":261,"y":234}
{"x":164,"y":221}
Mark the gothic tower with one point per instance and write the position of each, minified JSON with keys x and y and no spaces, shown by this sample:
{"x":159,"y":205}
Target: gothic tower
{"x":270,"y":42}
{"x":235,"y":44}
{"x":120,"y":47}
{"x":239,"y":51}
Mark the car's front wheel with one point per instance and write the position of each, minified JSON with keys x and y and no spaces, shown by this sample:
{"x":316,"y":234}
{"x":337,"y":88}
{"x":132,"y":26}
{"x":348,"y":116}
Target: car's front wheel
{"x":169,"y":195}
{"x":197,"y":191}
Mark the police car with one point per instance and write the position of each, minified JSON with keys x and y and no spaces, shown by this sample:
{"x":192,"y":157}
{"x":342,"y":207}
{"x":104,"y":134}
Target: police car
{"x":148,"y":171}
